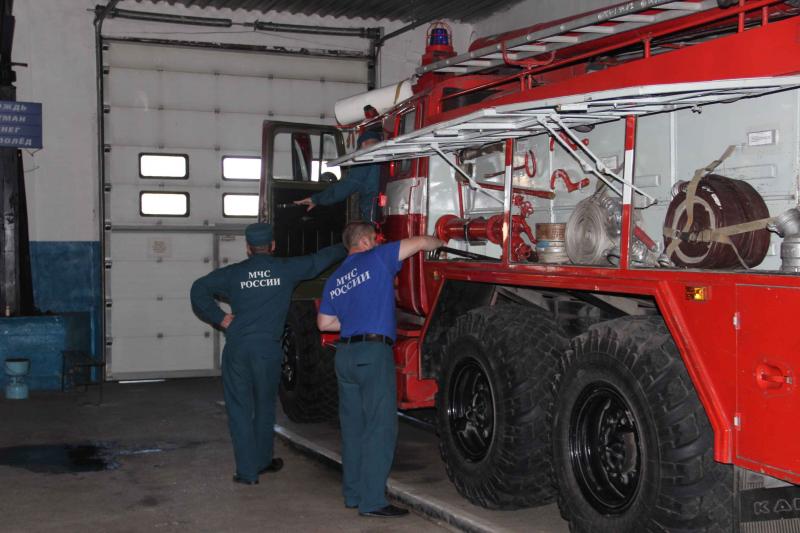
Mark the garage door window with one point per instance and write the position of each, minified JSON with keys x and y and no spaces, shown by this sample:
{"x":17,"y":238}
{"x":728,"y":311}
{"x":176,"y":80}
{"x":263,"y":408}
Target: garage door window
{"x":240,"y":205}
{"x":164,"y":204}
{"x":164,"y":166}
{"x":241,"y":168}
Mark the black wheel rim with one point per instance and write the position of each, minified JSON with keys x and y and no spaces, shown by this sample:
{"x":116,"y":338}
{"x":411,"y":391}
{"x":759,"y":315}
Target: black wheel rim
{"x":290,"y":359}
{"x":471,"y":410}
{"x":605,"y":449}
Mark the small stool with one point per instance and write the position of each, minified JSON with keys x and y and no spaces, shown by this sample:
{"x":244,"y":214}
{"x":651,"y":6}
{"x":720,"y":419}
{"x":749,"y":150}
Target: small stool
{"x":16,"y":370}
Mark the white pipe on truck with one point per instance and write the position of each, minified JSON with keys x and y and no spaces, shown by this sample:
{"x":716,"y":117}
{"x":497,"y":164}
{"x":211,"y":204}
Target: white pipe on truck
{"x":351,"y":109}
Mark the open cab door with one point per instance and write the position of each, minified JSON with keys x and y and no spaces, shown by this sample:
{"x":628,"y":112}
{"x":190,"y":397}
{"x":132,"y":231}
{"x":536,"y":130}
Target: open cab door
{"x":294,"y":166}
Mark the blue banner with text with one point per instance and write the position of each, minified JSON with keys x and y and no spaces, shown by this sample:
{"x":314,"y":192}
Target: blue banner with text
{"x":20,"y":124}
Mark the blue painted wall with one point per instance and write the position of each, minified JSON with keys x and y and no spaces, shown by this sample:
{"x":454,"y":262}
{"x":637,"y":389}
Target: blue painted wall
{"x":66,"y":278}
{"x":67,"y":291}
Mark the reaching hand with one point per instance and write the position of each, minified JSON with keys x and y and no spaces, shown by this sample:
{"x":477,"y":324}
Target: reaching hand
{"x":306,"y":201}
{"x":226,"y":321}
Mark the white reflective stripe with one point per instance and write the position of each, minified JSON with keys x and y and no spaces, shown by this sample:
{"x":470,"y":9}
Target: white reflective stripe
{"x":627,"y":175}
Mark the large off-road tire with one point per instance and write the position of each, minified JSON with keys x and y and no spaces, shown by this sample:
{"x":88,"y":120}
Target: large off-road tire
{"x":494,"y":390}
{"x":308,"y":389}
{"x":632,"y":446}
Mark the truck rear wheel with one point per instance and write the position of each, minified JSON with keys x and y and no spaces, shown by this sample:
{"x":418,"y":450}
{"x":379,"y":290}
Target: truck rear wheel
{"x":632,"y":446}
{"x":494,"y":390}
{"x":308,"y":389}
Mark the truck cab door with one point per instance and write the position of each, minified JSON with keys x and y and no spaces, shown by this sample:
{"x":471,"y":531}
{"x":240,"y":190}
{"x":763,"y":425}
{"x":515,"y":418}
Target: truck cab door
{"x":293,"y":167}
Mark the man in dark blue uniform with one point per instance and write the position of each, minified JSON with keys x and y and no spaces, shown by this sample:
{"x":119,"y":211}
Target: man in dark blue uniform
{"x":358,"y":300}
{"x":259,"y":290}
{"x":362,"y":179}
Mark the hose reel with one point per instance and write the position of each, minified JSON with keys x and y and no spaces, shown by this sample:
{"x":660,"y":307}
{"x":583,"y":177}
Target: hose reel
{"x":716,"y":222}
{"x":594,"y":229}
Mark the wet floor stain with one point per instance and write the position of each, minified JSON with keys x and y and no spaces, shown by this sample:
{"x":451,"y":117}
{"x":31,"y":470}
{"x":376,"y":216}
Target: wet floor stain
{"x":149,"y":501}
{"x":59,"y":458}
{"x":80,"y":457}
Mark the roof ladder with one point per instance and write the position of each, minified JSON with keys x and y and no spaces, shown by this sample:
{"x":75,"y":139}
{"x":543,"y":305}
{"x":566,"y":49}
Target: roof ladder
{"x":629,"y":16}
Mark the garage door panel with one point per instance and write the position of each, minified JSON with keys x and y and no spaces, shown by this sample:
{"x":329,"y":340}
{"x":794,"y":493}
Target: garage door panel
{"x":173,"y":132}
{"x":205,"y":167}
{"x":291,"y":96}
{"x":142,"y":94}
{"x":145,"y":280}
{"x":132,"y":126}
{"x":204,"y":104}
{"x":191,"y":128}
{"x":192,"y":92}
{"x":125,"y":204}
{"x":241,"y":130}
{"x":145,"y":356}
{"x":145,"y":57}
{"x":164,"y":245}
{"x":232,"y":249}
{"x":142,"y":317}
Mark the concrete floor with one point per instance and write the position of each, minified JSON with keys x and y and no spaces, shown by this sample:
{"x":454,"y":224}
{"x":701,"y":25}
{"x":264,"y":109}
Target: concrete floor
{"x":174,"y":458}
{"x":420,"y":480}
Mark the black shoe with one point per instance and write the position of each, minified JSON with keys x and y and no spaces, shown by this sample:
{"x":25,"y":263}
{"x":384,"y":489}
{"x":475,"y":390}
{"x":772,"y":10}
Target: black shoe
{"x":390,"y":511}
{"x":274,"y":466}
{"x":351,"y":506}
{"x":243,"y":481}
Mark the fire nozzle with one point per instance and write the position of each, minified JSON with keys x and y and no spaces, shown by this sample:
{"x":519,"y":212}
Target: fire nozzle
{"x":487,"y":229}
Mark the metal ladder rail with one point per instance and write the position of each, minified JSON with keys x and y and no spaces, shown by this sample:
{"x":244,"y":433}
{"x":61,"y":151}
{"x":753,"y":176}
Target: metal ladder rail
{"x":613,"y":21}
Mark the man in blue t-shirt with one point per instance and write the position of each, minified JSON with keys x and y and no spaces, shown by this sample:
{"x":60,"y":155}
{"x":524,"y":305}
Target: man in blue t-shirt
{"x":259,"y":290}
{"x":358,"y":301}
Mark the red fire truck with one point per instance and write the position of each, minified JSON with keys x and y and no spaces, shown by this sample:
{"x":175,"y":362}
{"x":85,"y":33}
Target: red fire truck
{"x":611,"y":325}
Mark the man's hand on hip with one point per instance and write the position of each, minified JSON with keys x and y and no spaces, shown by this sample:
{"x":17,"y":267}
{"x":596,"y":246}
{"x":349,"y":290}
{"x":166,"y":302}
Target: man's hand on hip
{"x":226,"y":321}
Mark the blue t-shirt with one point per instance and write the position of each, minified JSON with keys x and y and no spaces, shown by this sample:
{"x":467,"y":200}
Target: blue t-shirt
{"x":361,"y":292}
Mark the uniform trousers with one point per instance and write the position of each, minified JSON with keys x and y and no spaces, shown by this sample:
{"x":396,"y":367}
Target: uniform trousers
{"x":368,"y":418}
{"x":251,"y":373}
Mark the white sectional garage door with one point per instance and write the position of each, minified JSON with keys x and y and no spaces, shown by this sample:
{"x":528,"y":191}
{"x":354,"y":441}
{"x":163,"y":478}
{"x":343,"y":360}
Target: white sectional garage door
{"x":166,"y":221}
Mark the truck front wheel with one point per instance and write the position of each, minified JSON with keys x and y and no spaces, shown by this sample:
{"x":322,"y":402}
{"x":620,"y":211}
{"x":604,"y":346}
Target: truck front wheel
{"x":308,"y":389}
{"x":632,"y":446}
{"x":494,"y":390}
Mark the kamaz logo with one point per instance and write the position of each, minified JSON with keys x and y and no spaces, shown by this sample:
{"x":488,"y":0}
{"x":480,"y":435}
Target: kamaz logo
{"x":779,"y":506}
{"x":765,"y":505}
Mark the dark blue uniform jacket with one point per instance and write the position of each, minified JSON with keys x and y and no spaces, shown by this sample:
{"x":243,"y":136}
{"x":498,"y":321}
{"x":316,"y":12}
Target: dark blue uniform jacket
{"x":363,"y":179}
{"x":259,"y":290}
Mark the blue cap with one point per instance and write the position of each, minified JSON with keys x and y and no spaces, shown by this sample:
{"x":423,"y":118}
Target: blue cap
{"x":367,"y":135}
{"x":258,"y":234}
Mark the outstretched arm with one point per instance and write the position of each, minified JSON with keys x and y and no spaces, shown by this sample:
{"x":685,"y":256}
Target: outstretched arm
{"x":412,"y":245}
{"x":311,"y":266}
